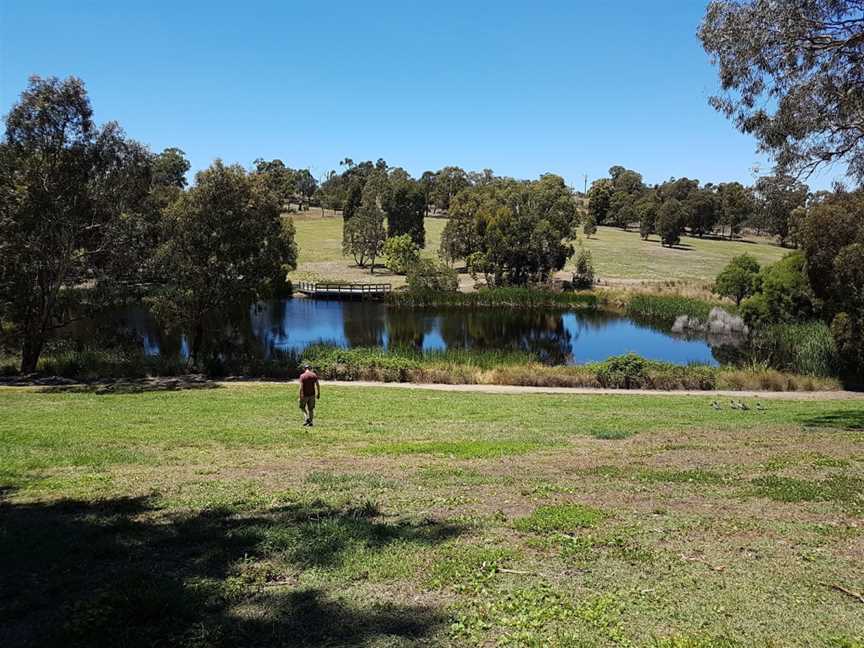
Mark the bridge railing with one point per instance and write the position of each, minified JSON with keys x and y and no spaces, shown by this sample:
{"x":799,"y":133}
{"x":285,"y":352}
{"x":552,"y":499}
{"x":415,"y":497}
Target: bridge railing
{"x":354,"y":289}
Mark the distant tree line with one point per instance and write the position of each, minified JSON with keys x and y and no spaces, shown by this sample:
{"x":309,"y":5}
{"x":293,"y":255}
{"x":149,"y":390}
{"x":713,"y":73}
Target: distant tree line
{"x":683,"y":205}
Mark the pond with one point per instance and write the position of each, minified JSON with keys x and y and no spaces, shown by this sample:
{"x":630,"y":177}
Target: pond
{"x":265,"y":329}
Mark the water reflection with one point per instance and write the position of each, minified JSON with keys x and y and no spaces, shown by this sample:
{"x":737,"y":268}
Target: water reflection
{"x":270,"y":328}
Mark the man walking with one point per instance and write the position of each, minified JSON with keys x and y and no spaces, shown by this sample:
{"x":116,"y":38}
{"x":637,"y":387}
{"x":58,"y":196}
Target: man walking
{"x":310,"y":391}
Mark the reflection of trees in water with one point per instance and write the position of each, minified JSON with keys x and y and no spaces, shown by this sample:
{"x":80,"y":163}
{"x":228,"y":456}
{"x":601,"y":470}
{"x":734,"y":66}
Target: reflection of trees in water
{"x":541,"y":333}
{"x":364,"y":323}
{"x":409,"y":327}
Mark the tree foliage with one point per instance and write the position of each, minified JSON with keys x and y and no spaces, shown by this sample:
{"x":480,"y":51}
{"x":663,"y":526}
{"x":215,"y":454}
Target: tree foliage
{"x":785,"y":294}
{"x":599,"y":199}
{"x":224,"y":241}
{"x":400,"y":253}
{"x":363,"y":235}
{"x":404,"y":203}
{"x":735,"y":207}
{"x":427,"y":275}
{"x":522,"y":230}
{"x":739,"y":279}
{"x":791,"y":75}
{"x":671,"y":219}
{"x":70,"y":192}
{"x":779,"y":196}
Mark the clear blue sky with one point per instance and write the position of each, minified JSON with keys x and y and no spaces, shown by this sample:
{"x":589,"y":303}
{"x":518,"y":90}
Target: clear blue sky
{"x":519,"y":87}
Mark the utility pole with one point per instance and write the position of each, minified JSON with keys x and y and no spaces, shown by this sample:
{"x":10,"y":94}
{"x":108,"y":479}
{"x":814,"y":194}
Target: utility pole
{"x":585,"y":183}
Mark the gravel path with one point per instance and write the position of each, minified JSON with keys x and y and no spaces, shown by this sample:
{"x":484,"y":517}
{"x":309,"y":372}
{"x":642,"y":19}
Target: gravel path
{"x":516,"y":389}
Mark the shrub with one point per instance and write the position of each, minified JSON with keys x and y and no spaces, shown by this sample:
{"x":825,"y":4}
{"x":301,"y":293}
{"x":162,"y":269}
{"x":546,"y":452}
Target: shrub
{"x":400,"y":253}
{"x":785,"y":296}
{"x":739,"y":279}
{"x":590,"y":226}
{"x":628,"y":371}
{"x":426,"y":275}
{"x":583,"y":275}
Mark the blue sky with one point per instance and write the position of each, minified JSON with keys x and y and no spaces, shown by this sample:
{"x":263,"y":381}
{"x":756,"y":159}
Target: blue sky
{"x":522,"y":88}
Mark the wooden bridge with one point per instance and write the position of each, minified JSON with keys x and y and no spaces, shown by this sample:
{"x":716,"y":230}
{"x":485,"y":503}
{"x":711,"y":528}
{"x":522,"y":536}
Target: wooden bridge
{"x":343,"y":290}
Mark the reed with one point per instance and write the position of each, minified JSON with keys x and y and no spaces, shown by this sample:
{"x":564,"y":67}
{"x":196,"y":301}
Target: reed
{"x":664,"y":309}
{"x":452,"y":366}
{"x":806,"y":348}
{"x":497,"y":297}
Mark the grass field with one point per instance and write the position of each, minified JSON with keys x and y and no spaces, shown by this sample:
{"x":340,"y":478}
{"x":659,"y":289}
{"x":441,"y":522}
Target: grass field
{"x":320,"y":241}
{"x":624,"y":255}
{"x":617,"y":254}
{"x":212,"y":518}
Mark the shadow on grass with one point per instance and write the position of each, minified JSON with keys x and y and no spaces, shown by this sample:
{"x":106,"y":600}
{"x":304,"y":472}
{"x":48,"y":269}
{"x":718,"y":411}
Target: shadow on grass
{"x":852,"y":420}
{"x":119,"y":572}
{"x":133,"y":386}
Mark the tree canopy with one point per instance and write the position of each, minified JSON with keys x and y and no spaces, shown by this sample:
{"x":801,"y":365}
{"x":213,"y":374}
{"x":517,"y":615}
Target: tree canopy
{"x":71,"y":191}
{"x":516,"y":232}
{"x":792,"y":75}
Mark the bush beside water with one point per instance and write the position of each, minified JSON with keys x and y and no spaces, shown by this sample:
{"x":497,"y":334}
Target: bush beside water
{"x":457,"y":366}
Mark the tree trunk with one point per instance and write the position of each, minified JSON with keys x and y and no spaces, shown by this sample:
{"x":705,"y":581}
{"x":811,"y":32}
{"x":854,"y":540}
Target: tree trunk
{"x":30,"y":353}
{"x":197,"y":340}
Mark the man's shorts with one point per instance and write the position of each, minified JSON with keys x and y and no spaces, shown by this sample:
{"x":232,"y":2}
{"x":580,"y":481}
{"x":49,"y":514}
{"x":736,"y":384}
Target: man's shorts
{"x":307,"y":401}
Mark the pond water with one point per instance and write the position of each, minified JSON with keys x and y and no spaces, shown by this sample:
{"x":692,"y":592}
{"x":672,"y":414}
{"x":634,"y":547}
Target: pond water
{"x":267,"y":328}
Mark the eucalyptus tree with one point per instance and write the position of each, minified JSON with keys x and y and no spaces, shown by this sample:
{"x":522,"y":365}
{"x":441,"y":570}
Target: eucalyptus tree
{"x":71,"y":191}
{"x":224,"y":241}
{"x":792,"y":75}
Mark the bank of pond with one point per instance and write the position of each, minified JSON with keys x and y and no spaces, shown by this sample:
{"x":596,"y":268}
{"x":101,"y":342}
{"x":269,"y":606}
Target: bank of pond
{"x":508,"y":336}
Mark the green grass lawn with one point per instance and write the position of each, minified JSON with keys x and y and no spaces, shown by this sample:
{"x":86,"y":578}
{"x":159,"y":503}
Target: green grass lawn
{"x":213,"y":518}
{"x":624,"y":255}
{"x":320,"y":242}
{"x":616,"y":254}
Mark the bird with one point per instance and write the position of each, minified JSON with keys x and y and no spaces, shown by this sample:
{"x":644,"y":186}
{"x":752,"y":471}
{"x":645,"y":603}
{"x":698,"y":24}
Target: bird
{"x":715,"y":405}
{"x":759,"y":406}
{"x":733,"y":404}
{"x":744,"y":406}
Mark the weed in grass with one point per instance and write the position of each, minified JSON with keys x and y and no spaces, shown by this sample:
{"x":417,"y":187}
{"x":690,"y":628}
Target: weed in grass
{"x":611,"y":434}
{"x":584,"y":549}
{"x":456,"y":449}
{"x":467,"y":568}
{"x":456,"y":476}
{"x":693,"y":476}
{"x":686,"y":476}
{"x":348,"y":481}
{"x":695,"y":641}
{"x":560,"y":517}
{"x":520,"y":617}
{"x":842,"y":489}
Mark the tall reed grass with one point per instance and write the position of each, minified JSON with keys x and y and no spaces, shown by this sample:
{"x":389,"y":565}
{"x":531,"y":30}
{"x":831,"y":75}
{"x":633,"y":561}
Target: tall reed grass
{"x":806,"y":348}
{"x":502,"y":297}
{"x":455,"y":366}
{"x":663,"y":309}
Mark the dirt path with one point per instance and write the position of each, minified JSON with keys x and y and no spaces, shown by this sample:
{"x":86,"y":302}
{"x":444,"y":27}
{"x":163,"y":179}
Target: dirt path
{"x":517,"y":389}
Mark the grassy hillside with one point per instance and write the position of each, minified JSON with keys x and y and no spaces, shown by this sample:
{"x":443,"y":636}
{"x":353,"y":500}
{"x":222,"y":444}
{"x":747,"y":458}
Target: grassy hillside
{"x":617,"y":254}
{"x":624,"y":255}
{"x":211,"y":517}
{"x":320,"y":241}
